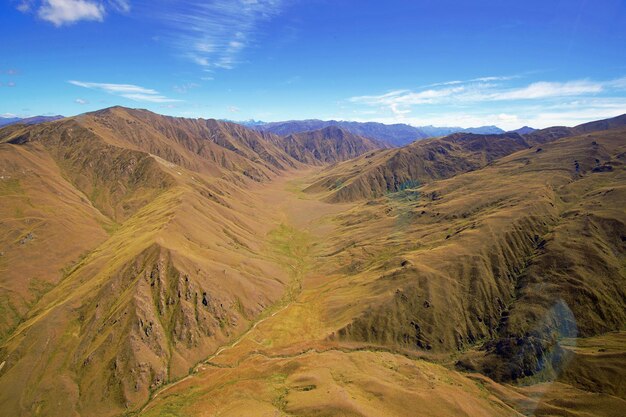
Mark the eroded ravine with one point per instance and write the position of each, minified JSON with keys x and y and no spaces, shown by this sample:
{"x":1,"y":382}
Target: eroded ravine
{"x":286,"y":351}
{"x":291,"y":247}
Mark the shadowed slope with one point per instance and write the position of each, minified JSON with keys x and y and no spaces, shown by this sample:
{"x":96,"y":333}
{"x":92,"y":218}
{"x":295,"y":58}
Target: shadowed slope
{"x":328,"y":145}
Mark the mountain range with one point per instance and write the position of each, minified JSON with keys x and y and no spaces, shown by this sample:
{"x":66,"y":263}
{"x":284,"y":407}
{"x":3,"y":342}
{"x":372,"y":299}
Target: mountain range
{"x":393,"y":135}
{"x":162,"y":266}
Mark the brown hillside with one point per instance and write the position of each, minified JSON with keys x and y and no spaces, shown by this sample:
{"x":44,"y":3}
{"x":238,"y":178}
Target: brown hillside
{"x":328,"y":145}
{"x":171,"y":265}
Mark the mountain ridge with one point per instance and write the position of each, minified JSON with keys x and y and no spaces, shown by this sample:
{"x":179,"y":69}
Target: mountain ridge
{"x":145,"y":257}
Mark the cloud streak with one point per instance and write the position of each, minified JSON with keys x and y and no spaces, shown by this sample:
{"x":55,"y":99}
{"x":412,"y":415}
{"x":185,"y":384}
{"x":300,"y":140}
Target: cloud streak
{"x":213,"y":34}
{"x":480,"y":90}
{"x":129,"y":91}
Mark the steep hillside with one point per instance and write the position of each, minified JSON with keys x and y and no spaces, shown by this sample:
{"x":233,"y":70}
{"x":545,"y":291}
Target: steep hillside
{"x":375,"y":174}
{"x":208,"y":146}
{"x":328,"y":145}
{"x":121,"y":268}
{"x":515,"y":255}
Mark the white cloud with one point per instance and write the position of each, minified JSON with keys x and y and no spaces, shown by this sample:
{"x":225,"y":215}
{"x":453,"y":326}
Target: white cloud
{"x":233,"y":109}
{"x":537,"y":118}
{"x":129,"y":91}
{"x":474,"y":80}
{"x":24,"y":6}
{"x":548,"y":89}
{"x":64,"y":12}
{"x":114,"y":88}
{"x":81,"y":101}
{"x":60,"y":12}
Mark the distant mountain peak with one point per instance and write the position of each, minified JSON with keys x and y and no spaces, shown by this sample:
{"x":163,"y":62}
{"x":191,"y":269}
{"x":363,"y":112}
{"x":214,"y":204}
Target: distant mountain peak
{"x":523,"y":130}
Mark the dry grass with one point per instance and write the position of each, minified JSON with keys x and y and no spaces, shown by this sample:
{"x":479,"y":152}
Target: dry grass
{"x":168,"y":275}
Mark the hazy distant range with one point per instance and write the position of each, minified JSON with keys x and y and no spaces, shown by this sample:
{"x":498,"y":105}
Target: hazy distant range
{"x":34,"y":120}
{"x":396,"y":134}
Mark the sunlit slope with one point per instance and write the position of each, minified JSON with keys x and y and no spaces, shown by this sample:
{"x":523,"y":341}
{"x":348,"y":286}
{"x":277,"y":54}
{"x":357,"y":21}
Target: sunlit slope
{"x":191,"y":274}
{"x":46,"y":225}
{"x":183,"y":270}
{"x":208,"y":146}
{"x":426,"y":275}
{"x":330,"y":383}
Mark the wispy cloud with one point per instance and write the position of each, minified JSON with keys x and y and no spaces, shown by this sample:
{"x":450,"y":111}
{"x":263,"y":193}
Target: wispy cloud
{"x":129,"y":91}
{"x":480,"y":90}
{"x":493,"y":100}
{"x":213,"y":34}
{"x":81,"y":101}
{"x":65,"y":12}
{"x":474,"y":80}
{"x":184,"y":88}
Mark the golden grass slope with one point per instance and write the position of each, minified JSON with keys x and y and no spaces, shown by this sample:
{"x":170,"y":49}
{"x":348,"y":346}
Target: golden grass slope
{"x":211,"y":283}
{"x":496,"y":243}
{"x":446,"y":259}
{"x":183,"y":270}
{"x":47,"y":225}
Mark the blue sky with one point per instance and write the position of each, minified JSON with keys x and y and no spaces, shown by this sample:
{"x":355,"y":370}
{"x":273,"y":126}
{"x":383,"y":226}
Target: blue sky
{"x":441,"y":62}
